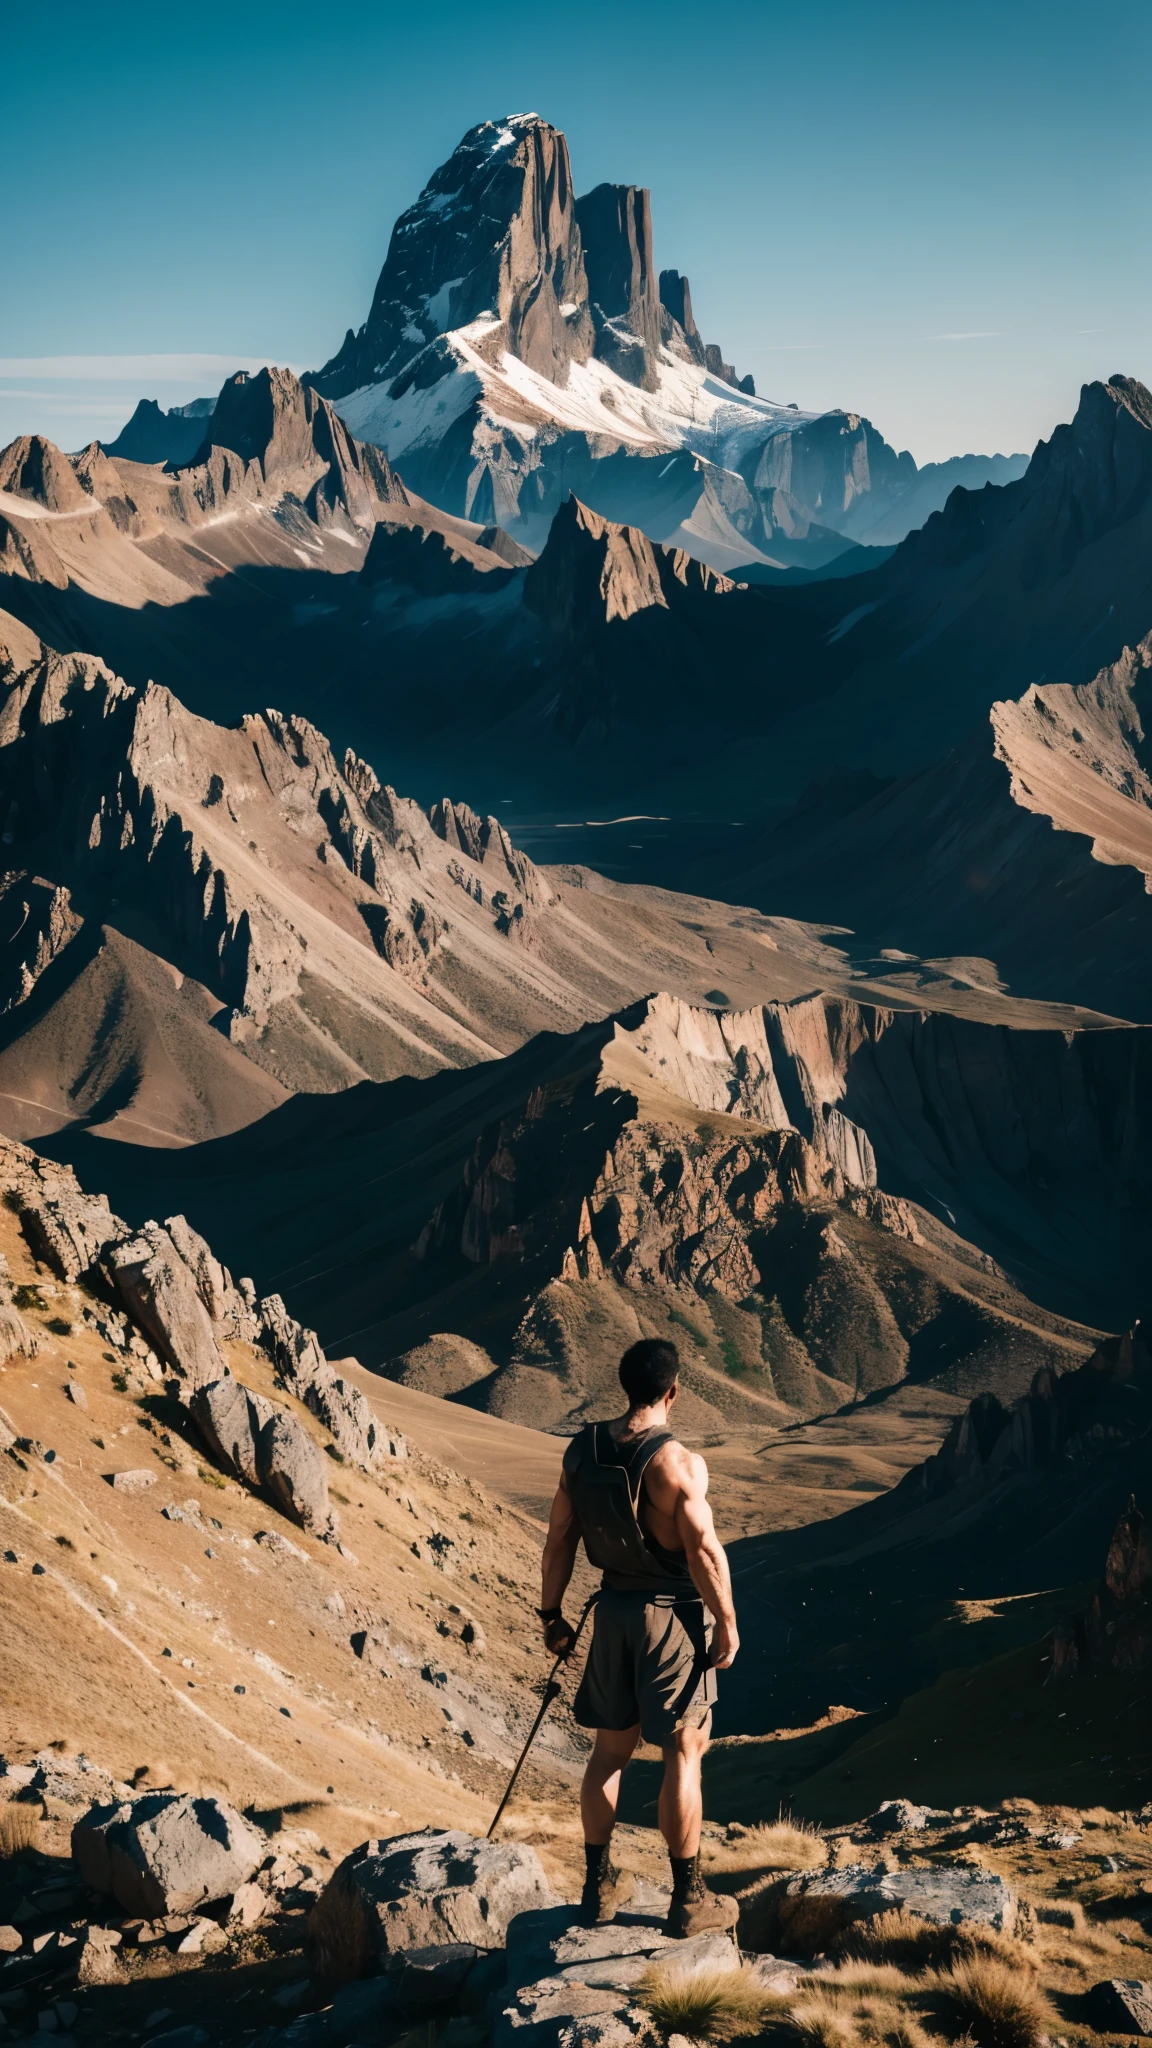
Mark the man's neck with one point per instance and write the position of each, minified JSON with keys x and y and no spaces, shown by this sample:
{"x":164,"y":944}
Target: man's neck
{"x":640,"y":1419}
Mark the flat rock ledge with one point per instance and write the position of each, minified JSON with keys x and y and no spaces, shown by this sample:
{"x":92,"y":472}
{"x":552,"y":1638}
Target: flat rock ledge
{"x":574,"y":1987}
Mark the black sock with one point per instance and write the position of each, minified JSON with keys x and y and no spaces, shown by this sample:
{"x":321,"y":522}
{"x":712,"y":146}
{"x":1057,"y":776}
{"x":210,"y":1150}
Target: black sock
{"x":686,"y":1880}
{"x":596,"y":1859}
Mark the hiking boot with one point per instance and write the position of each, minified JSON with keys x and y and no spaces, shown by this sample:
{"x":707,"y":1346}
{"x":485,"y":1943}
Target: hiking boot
{"x":700,"y":1912}
{"x":603,"y":1896}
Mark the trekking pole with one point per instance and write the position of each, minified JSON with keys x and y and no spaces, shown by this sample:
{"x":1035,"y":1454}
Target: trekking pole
{"x":552,"y":1691}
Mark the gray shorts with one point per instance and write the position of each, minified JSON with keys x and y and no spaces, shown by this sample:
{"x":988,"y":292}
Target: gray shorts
{"x":649,"y":1664}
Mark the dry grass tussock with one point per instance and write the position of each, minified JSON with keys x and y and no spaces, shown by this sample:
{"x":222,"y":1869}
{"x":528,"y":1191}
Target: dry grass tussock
{"x":783,"y":1844}
{"x":707,"y":2004}
{"x":1078,"y":1948}
{"x":826,"y":2017}
{"x":1119,"y":1895}
{"x":997,"y":2003}
{"x":19,"y":1829}
{"x":913,"y":1945}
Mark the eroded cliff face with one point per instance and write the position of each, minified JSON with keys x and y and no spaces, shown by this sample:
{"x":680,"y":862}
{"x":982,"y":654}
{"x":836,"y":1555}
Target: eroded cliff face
{"x":492,"y":236}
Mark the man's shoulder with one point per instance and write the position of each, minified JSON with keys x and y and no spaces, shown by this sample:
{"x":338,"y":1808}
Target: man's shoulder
{"x":674,"y":1461}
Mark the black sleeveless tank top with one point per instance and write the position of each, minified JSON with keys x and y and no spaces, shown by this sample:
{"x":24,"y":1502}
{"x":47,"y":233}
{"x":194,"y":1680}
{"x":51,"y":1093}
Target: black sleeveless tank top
{"x":604,"y":1484}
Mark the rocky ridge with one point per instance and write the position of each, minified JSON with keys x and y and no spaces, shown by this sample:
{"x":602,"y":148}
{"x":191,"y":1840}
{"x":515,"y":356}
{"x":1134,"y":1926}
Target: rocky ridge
{"x":153,"y":435}
{"x":260,"y":917}
{"x":792,"y":1193}
{"x":318,"y":924}
{"x":274,"y":481}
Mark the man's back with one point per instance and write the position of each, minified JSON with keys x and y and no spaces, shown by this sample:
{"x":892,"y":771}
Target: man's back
{"x":664,"y":1624}
{"x":671,"y":1476}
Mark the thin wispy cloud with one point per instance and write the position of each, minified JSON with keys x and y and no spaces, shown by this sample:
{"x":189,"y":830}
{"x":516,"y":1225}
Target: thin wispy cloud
{"x":62,"y":408}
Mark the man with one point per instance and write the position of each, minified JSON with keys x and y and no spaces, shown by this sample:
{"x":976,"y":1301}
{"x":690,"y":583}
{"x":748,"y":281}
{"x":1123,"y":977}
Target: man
{"x":639,"y":1502}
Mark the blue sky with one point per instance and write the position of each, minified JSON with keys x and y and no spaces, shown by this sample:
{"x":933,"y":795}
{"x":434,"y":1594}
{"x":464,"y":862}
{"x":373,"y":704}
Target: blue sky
{"x":933,"y":215}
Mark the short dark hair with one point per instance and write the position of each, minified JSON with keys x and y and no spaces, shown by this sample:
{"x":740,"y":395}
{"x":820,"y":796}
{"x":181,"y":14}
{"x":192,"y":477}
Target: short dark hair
{"x":649,"y":1370}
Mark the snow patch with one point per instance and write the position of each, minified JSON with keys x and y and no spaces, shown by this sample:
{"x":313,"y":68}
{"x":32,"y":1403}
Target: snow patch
{"x":437,"y":306}
{"x":690,"y":409}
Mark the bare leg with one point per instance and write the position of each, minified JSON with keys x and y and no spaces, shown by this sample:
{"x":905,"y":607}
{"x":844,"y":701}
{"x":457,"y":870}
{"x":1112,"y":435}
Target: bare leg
{"x":681,"y":1809}
{"x":600,"y":1792}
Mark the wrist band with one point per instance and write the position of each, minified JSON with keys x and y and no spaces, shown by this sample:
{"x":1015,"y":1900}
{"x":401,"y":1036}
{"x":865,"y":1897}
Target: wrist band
{"x":550,"y":1613}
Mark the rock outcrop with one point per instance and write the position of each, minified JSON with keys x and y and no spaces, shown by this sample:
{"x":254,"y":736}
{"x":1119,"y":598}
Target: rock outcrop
{"x":615,"y":224}
{"x":1122,"y":2005}
{"x":1114,"y":1633}
{"x":446,"y":269}
{"x":571,"y":1984}
{"x":806,"y":1912}
{"x":160,"y":1294}
{"x":168,"y":1284}
{"x":1102,"y":1404}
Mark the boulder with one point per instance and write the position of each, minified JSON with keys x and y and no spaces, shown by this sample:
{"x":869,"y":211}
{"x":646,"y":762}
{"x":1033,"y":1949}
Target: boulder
{"x":1122,"y":2005}
{"x":349,"y":1419}
{"x":374,"y":1646}
{"x":166,"y":1854}
{"x":898,"y":1816}
{"x":418,"y":1891}
{"x":62,"y":1782}
{"x":249,"y":1904}
{"x":263,"y":1444}
{"x":138,"y":1480}
{"x":809,"y":1910}
{"x":160,"y":1294}
{"x":292,"y":1472}
{"x":229,"y":1417}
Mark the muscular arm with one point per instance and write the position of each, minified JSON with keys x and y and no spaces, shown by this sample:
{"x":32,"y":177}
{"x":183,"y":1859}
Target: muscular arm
{"x":677,"y":1485}
{"x":560,"y":1549}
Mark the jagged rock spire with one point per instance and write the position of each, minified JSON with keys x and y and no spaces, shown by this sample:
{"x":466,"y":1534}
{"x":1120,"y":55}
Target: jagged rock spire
{"x":493,"y":233}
